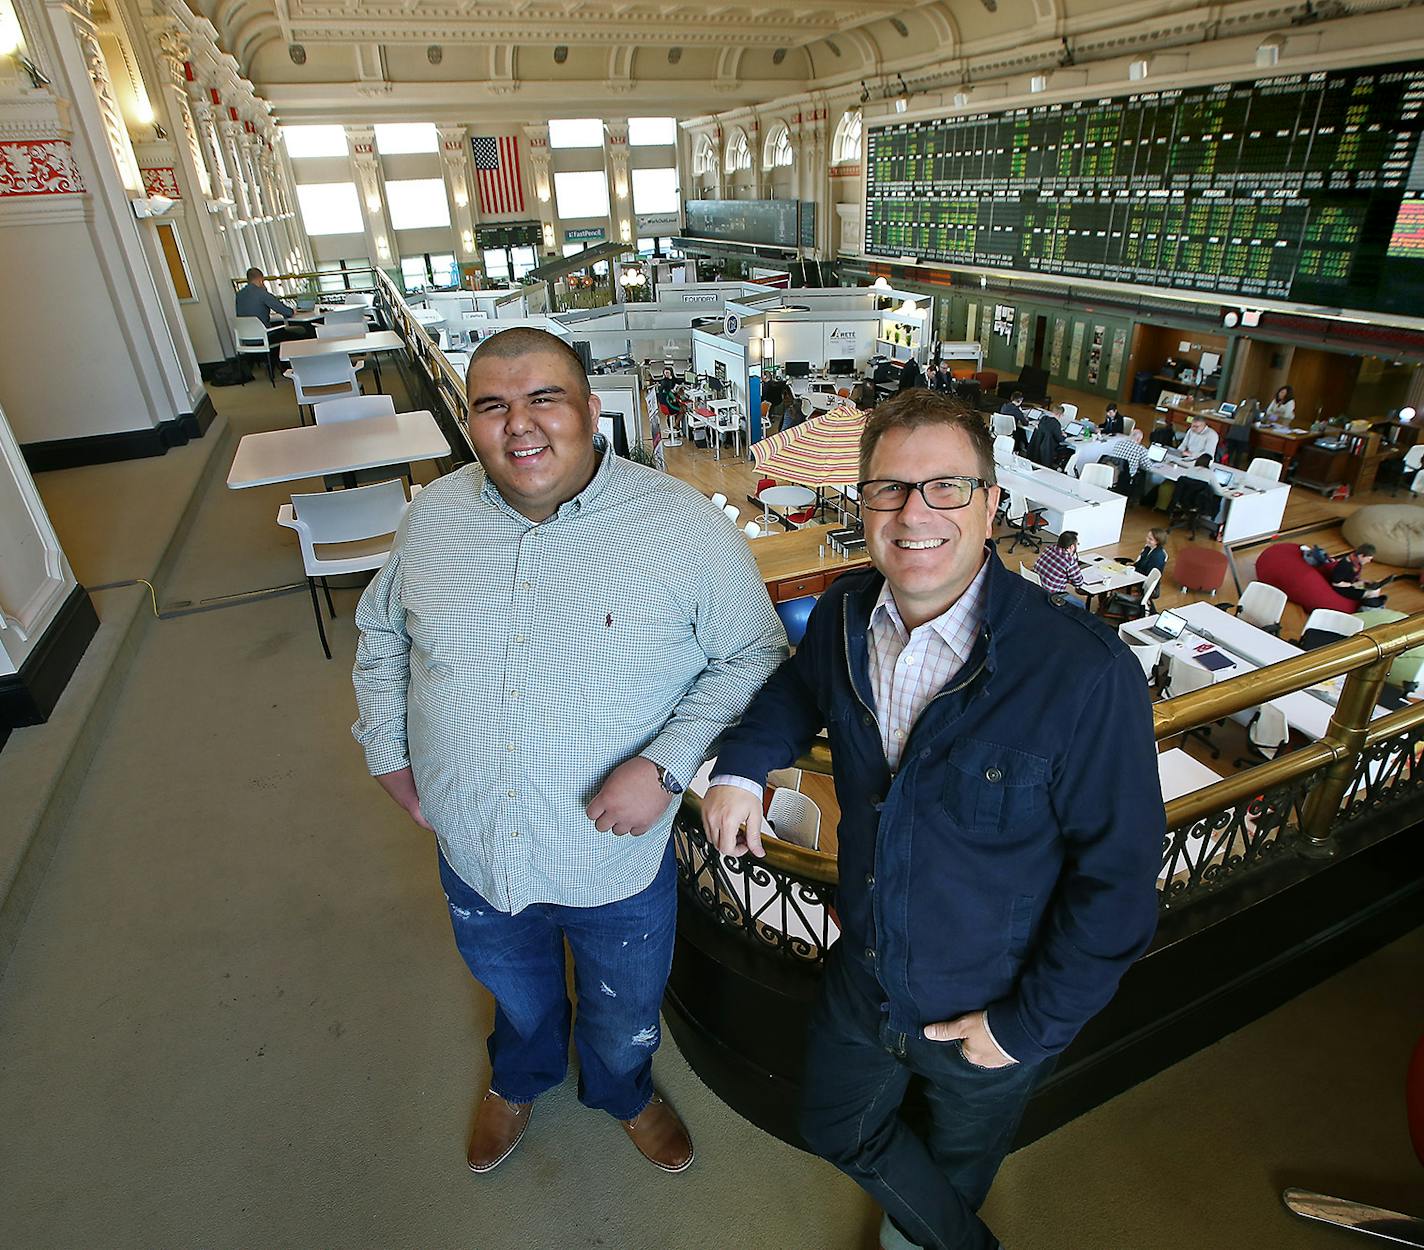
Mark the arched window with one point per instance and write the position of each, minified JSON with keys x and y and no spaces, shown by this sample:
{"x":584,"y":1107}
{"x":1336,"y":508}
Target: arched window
{"x":845,"y":147}
{"x":778,"y":152}
{"x":739,"y":155}
{"x":704,"y":160}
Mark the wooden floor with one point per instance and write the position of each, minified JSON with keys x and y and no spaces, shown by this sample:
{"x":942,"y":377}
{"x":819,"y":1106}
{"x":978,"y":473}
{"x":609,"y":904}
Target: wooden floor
{"x":736,"y":477}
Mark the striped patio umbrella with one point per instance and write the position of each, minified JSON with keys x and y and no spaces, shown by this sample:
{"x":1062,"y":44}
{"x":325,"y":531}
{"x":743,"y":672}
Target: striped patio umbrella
{"x":823,"y":450}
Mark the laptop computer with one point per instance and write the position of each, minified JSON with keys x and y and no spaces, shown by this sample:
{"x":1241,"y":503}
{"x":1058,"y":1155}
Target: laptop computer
{"x":1224,"y":478}
{"x":1227,"y":410}
{"x":1156,"y":453}
{"x":1168,"y":626}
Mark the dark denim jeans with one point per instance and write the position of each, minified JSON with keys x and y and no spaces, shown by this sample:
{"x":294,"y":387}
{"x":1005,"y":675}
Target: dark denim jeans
{"x":857,"y":1073}
{"x":622,"y":955}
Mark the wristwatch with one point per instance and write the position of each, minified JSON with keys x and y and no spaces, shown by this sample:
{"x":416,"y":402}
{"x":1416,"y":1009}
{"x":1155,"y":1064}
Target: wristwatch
{"x":668,"y":782}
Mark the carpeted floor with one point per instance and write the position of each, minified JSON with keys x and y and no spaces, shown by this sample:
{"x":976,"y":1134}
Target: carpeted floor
{"x":235,"y":1018}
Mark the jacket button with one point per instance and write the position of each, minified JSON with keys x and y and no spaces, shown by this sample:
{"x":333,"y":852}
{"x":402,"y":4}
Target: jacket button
{"x":870,"y":880}
{"x":866,"y":719}
{"x":870,"y":952}
{"x":993,"y":774}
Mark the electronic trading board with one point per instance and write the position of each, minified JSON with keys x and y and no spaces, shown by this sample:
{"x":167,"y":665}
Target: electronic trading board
{"x":1308,"y":188}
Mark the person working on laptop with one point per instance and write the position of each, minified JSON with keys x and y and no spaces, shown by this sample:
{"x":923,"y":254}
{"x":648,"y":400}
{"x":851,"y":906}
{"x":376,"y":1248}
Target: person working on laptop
{"x":1112,"y":421}
{"x":1058,"y":569}
{"x":1199,"y":440}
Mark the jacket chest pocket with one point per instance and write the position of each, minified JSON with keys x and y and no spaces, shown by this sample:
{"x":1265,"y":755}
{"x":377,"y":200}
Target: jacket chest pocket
{"x":995,"y":793}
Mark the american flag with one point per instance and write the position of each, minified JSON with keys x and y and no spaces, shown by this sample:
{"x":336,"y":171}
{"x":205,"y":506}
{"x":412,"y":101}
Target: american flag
{"x":497,"y":173}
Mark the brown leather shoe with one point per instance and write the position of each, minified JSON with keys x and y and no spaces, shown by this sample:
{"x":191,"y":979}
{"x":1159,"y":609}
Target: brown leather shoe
{"x":661,"y":1137}
{"x":499,"y":1125}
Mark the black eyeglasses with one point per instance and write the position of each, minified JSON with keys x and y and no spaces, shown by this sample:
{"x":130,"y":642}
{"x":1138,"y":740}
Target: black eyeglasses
{"x":943,"y":494}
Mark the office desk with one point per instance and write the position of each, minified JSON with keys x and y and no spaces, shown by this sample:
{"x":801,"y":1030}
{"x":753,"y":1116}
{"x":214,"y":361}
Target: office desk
{"x":1249,"y":648}
{"x":1257,"y":510}
{"x":358,"y":345}
{"x":310,"y":451}
{"x":791,"y":564}
{"x":1094,"y":512}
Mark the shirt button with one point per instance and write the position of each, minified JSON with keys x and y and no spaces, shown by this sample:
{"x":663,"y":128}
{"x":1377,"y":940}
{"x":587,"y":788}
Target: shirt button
{"x":524,"y":585}
{"x":509,"y":746}
{"x":514,"y":794}
{"x":515,"y":834}
{"x":900,"y":734}
{"x":514,"y":694}
{"x":909,"y":659}
{"x":993,"y":774}
{"x":518,"y":637}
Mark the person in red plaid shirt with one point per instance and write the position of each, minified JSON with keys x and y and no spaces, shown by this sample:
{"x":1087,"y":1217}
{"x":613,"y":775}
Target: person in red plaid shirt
{"x":1057,"y":567}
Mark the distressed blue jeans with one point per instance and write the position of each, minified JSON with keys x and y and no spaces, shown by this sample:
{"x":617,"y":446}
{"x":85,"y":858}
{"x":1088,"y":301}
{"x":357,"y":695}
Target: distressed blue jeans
{"x":622,"y":956}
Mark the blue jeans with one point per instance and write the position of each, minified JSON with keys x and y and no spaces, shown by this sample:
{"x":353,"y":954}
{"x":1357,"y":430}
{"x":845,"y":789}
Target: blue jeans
{"x":856,"y":1076}
{"x":622,"y":956}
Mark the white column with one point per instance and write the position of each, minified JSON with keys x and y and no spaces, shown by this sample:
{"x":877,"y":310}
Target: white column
{"x":455,"y":166}
{"x":371,"y":187}
{"x":620,"y":187}
{"x":542,"y":176}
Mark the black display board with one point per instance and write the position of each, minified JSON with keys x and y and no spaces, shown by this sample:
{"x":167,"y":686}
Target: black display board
{"x":1306,"y":187}
{"x":746,"y":221}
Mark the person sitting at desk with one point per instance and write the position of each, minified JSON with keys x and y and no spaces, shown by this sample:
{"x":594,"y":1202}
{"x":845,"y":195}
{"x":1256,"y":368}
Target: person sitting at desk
{"x":1281,"y":409}
{"x":943,"y":379}
{"x":776,"y":393}
{"x":255,"y":300}
{"x":1128,"y":448}
{"x":1058,"y":569}
{"x":1199,"y":440}
{"x":1112,"y":420}
{"x":669,"y":394}
{"x":1344,"y":575}
{"x":1154,"y":552}
{"x":1014,"y":408}
{"x":1048,"y":445}
{"x":911,"y":374}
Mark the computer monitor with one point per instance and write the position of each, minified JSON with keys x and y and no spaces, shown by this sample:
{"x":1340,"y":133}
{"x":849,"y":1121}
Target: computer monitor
{"x":840,"y":366}
{"x":1227,"y":410}
{"x":1224,"y":478}
{"x":798,"y":369}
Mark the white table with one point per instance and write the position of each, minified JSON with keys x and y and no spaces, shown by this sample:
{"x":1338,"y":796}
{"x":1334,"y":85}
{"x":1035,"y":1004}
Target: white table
{"x":359,"y":345}
{"x":339,"y":447}
{"x":1102,"y":575}
{"x":1093,"y":512}
{"x":1249,"y":648}
{"x":1255,"y":506}
{"x":725,"y":418}
{"x":1181,"y":774}
{"x":789,"y":497}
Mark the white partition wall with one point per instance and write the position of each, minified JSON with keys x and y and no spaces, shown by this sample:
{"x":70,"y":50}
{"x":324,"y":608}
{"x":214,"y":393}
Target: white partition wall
{"x":46,"y":618}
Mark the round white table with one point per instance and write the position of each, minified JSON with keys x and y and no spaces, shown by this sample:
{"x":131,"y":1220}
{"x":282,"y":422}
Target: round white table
{"x":788,"y":497}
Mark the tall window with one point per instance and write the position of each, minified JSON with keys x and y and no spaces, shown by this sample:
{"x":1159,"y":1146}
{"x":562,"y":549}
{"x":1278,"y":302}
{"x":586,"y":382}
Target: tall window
{"x":845,"y":146}
{"x":581,"y":194}
{"x":429,"y":269}
{"x":345,"y":275}
{"x":647,"y":132}
{"x":314,"y":140}
{"x":655,"y":191}
{"x":497,"y":263}
{"x":330,"y":207}
{"x":392,"y":139}
{"x":575,"y":132}
{"x":417,"y":203}
{"x":778,"y":153}
{"x":704,"y":160}
{"x":739,"y":155}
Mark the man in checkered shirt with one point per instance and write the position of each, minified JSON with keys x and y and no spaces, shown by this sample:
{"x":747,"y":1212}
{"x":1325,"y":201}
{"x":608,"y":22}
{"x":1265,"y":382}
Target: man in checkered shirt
{"x":1058,"y":568}
{"x":545,"y":659}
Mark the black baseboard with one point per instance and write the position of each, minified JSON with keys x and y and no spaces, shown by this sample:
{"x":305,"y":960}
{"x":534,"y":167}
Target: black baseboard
{"x":29,"y":696}
{"x":74,"y":453}
{"x":740,"y":1016}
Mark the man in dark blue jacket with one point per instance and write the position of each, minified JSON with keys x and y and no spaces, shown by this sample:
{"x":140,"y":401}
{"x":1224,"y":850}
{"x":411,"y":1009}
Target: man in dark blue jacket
{"x":1001,"y":827}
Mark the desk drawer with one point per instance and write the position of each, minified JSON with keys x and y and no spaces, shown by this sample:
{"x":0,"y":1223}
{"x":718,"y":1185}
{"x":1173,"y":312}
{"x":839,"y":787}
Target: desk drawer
{"x":796,"y":587}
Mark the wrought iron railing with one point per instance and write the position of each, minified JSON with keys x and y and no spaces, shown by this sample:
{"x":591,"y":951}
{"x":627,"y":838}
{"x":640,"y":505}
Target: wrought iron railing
{"x":1360,"y":782}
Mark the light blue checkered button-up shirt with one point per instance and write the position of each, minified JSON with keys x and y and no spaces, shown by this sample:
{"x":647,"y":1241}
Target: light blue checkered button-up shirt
{"x":515,"y":665}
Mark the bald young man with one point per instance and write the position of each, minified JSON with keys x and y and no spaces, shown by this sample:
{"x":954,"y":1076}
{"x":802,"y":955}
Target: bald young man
{"x":537,"y":681}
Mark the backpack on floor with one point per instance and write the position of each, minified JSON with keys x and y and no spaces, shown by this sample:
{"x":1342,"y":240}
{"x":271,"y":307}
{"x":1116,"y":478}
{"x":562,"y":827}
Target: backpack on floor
{"x":234,"y":372}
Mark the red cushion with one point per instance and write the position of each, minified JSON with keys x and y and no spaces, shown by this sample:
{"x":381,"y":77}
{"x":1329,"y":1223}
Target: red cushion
{"x":1199,"y":568}
{"x":988,"y":380}
{"x":1281,"y":565}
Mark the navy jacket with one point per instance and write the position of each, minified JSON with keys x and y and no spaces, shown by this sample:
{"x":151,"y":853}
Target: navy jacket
{"x":1011,"y":863}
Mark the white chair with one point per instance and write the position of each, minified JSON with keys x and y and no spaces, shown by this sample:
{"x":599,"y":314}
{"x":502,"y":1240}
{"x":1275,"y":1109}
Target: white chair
{"x":1128,"y":425}
{"x":1413,"y":460}
{"x":1029,"y":575}
{"x":1262,"y":606}
{"x":1003,"y":448}
{"x":1070,"y":413}
{"x":734,"y":514}
{"x":1071,"y":468}
{"x":1416,"y":487}
{"x":1264,"y":466}
{"x":362,"y":521}
{"x":254,"y":339}
{"x":1184,"y":676}
{"x":1002,"y":424}
{"x":1268,"y":732}
{"x":719,"y":500}
{"x":1099,"y":474}
{"x":319,"y":378}
{"x":1329,"y":621}
{"x":1147,"y":654}
{"x":725,"y":419}
{"x":354,"y":408}
{"x":795,"y":818}
{"x":752,"y":530}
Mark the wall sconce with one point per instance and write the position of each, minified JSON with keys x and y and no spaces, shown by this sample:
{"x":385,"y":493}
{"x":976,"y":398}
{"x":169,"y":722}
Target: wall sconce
{"x":467,"y":239}
{"x":548,"y":235}
{"x":383,"y":249}
{"x":961,"y":99}
{"x":10,"y":39}
{"x":1268,"y":52}
{"x":622,"y":188}
{"x":373,"y":203}
{"x":1039,"y":82}
{"x":543,"y":193}
{"x":1137,"y":70}
{"x":625,"y":232}
{"x":461,"y":199}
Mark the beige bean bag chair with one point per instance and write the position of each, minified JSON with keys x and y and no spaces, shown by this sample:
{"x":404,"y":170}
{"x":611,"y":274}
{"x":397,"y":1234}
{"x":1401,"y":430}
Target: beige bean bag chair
{"x":1396,"y":529}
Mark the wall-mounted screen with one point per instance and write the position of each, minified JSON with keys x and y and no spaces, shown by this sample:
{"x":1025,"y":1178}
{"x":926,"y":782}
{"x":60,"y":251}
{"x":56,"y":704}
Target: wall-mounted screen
{"x":1307,"y":188}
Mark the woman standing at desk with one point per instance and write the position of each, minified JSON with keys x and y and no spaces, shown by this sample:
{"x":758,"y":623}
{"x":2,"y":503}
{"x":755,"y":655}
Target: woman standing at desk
{"x":1281,"y":409}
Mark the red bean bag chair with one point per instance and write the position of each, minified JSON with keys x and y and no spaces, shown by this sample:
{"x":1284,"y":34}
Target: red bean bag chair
{"x":1283,"y":566}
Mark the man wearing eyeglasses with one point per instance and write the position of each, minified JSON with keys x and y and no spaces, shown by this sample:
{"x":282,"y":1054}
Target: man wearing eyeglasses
{"x":997,"y":864}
